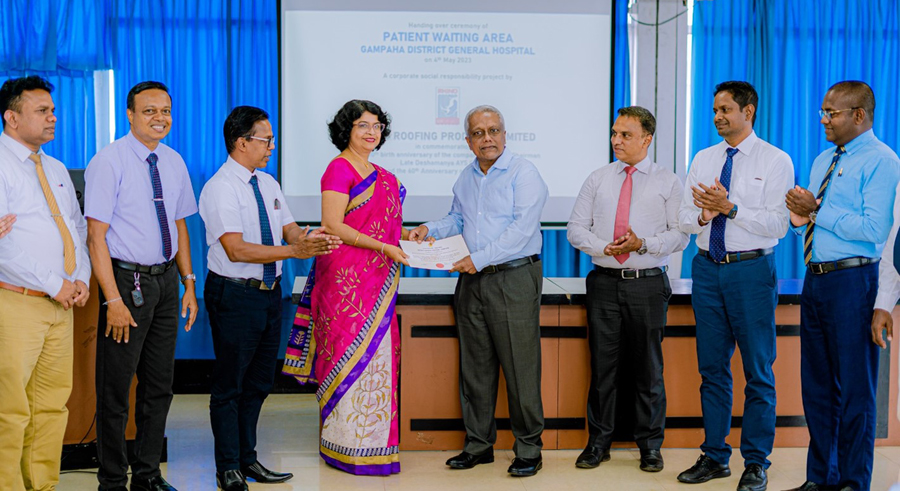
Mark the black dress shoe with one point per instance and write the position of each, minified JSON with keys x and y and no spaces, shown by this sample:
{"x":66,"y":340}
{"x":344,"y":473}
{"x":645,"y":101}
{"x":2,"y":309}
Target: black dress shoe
{"x":753,"y":479}
{"x":651,"y":460}
{"x":704,"y":470}
{"x":809,"y":486}
{"x":467,"y":460}
{"x":592,"y":457}
{"x":153,"y":484}
{"x":259,"y":473}
{"x":231,"y":480}
{"x":525,"y":467}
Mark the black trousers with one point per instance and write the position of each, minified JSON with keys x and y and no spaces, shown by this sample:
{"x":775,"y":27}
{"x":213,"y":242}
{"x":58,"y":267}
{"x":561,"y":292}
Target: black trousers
{"x":630,"y":314}
{"x":498,"y":318}
{"x":246,"y":332}
{"x":150,"y":354}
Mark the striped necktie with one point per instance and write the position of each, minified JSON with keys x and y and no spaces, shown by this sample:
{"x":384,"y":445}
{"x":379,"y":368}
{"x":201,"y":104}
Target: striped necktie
{"x":810,"y":229}
{"x":266,"y":231}
{"x":68,"y":244}
{"x":717,"y":232}
{"x":160,"y":205}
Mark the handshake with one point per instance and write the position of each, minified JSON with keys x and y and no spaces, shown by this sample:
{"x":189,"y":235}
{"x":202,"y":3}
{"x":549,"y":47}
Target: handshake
{"x":316,"y":243}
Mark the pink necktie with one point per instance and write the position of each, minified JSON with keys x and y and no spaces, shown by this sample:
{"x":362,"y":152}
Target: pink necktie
{"x":623,"y":210}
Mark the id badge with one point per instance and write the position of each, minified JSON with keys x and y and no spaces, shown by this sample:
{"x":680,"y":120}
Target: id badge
{"x":137,"y":298}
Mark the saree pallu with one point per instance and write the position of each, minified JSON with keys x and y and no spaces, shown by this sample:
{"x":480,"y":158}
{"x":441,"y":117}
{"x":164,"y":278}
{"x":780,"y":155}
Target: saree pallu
{"x":346,"y":338}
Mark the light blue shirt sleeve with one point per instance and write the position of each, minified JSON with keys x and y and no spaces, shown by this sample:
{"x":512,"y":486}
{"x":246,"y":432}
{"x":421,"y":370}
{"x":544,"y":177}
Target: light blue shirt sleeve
{"x":874,"y":220}
{"x":450,"y":225}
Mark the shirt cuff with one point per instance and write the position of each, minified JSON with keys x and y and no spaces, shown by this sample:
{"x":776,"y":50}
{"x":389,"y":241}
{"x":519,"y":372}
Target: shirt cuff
{"x":53,"y":285}
{"x":478,"y":259}
{"x":431,"y":226}
{"x":883,"y":301}
{"x":827,"y":218}
{"x":653,"y":245}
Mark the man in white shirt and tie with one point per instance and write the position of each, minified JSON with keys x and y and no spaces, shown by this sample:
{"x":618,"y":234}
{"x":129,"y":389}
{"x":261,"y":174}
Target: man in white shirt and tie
{"x":626,"y":219}
{"x":734,"y":202}
{"x":44,"y":271}
{"x":246,"y":217}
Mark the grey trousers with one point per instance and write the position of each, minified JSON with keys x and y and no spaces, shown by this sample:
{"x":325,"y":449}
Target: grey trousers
{"x":498,"y":318}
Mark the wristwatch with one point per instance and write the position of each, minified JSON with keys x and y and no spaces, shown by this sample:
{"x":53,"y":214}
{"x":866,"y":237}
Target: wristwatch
{"x":812,"y":215}
{"x":643,"y":249}
{"x":191,"y":276}
{"x":733,"y":212}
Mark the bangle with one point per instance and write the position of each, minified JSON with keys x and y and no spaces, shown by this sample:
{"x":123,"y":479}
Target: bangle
{"x":357,"y":238}
{"x":117,"y":299}
{"x":382,"y":247}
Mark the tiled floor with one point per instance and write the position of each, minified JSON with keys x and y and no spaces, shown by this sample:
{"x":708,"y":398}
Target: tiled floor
{"x":288,"y":434}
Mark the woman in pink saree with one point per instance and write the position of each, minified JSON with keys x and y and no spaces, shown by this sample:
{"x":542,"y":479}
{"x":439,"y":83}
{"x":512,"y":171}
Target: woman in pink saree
{"x":345,"y":335}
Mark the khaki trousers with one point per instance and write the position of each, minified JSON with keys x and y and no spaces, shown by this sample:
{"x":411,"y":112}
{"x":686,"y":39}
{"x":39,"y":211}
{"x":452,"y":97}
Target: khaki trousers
{"x":35,"y":383}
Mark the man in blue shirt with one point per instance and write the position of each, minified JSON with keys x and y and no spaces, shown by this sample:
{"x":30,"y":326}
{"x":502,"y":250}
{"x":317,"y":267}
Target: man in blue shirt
{"x":497,"y":204}
{"x":847,"y":216}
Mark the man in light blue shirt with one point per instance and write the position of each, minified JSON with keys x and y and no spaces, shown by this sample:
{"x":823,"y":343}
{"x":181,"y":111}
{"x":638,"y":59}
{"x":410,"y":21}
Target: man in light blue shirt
{"x":845,"y":217}
{"x":497,"y":204}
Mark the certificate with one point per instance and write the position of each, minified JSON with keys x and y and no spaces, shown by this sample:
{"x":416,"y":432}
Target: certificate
{"x":440,"y":254}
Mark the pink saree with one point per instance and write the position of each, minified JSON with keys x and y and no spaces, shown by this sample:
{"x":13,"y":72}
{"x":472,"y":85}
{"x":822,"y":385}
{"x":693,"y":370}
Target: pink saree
{"x":345,"y":335}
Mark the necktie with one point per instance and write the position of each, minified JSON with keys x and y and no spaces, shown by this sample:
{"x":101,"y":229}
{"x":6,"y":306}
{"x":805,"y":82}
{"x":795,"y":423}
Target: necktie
{"x":160,"y":206}
{"x":717,"y":233}
{"x":623,"y":210}
{"x":266,"y":230}
{"x":68,"y":244}
{"x":808,"y":236}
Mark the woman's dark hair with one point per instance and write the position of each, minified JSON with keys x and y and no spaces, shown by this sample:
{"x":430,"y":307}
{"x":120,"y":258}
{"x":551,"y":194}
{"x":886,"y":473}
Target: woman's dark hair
{"x":339,"y":128}
{"x":239,"y":124}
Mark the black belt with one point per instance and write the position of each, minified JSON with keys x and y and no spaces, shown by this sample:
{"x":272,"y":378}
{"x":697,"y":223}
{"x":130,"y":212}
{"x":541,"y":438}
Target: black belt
{"x":850,"y":262}
{"x":515,"y":263}
{"x":736,"y":257}
{"x":248,"y":282}
{"x":631,"y":274}
{"x":154,"y":270}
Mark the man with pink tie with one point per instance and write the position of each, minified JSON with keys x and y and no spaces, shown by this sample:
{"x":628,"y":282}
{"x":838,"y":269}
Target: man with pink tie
{"x":626,"y":219}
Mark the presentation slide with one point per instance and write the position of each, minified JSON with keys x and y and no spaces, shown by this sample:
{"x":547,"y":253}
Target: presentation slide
{"x":547,"y":71}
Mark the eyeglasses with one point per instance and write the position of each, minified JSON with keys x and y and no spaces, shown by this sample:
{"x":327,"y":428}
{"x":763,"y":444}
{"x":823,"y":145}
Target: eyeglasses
{"x":830,"y":113}
{"x":479,"y":134}
{"x":364,"y":127}
{"x":269,"y":141}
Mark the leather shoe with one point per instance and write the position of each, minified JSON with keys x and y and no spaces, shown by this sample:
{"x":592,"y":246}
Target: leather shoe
{"x":467,"y":460}
{"x":651,"y":460}
{"x":153,"y":484}
{"x":522,"y":467}
{"x":231,"y":480}
{"x":259,"y":473}
{"x":753,"y":479}
{"x":704,"y":470}
{"x":808,"y":486}
{"x":592,"y":457}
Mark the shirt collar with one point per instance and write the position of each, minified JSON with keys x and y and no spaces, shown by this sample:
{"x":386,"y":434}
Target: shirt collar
{"x":17,"y":148}
{"x":501,"y":163}
{"x":139,"y":148}
{"x":643,"y":166}
{"x":239,"y":170}
{"x":745,"y":147}
{"x":858,"y":142}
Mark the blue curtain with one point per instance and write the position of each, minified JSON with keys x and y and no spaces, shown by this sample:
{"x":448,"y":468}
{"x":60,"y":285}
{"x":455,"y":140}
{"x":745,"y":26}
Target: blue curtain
{"x":792,"y":53}
{"x":559,"y":257}
{"x":64,"y":41}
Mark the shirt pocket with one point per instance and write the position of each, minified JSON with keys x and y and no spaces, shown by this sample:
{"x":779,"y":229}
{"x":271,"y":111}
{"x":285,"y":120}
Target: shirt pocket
{"x":750,"y":192}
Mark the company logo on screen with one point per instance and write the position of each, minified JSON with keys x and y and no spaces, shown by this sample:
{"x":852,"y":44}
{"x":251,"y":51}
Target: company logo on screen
{"x":447,"y":110}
